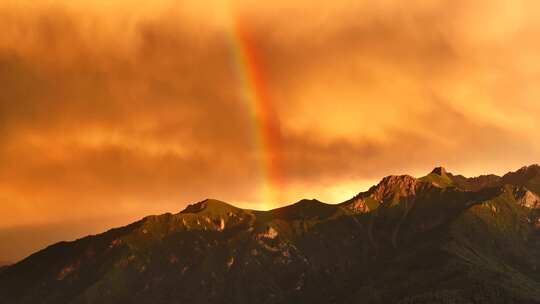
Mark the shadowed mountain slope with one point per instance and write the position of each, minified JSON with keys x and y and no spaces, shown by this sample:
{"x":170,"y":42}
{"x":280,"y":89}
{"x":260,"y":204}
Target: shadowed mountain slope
{"x":442,"y":238}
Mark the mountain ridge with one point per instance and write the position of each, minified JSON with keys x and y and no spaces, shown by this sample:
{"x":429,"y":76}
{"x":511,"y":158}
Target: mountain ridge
{"x":438,"y":238}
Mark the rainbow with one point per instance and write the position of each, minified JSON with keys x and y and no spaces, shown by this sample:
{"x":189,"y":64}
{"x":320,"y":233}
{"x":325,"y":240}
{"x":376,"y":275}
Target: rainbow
{"x":255,"y":94}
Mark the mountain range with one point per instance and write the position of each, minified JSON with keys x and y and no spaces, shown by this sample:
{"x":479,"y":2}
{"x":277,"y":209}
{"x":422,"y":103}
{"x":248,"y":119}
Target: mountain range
{"x":441,"y":238}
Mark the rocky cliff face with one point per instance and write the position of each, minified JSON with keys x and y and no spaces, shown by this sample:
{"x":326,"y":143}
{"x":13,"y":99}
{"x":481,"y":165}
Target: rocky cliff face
{"x":442,"y":238}
{"x":391,"y":190}
{"x":526,"y":198}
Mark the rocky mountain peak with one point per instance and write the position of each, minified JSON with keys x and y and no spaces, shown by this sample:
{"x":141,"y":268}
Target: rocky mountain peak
{"x":533,"y":167}
{"x":397,"y":180}
{"x":394,"y":186}
{"x":208,"y":206}
{"x":308,"y":202}
{"x":529,"y":171}
{"x":390,"y":188}
{"x":439,"y":171}
{"x":305,"y":208}
{"x":405,"y":182}
{"x":523,"y":175}
{"x":209,"y":215}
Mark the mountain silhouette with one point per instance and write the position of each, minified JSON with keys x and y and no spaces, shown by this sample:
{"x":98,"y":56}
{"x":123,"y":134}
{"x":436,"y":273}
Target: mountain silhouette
{"x":441,"y":238}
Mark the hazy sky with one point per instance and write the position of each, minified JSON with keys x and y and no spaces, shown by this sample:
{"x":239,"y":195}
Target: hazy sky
{"x":109,"y":112}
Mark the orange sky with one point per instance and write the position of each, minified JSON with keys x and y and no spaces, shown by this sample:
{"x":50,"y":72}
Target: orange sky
{"x":109,"y":112}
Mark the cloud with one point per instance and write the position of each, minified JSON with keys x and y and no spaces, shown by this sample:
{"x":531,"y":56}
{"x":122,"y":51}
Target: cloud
{"x":108,"y":111}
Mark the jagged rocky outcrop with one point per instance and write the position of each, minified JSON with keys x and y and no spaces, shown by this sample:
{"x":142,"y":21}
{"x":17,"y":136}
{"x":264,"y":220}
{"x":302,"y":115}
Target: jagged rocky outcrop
{"x":390,"y":190}
{"x":522,"y":176}
{"x":441,"y":238}
{"x":526,"y":198}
